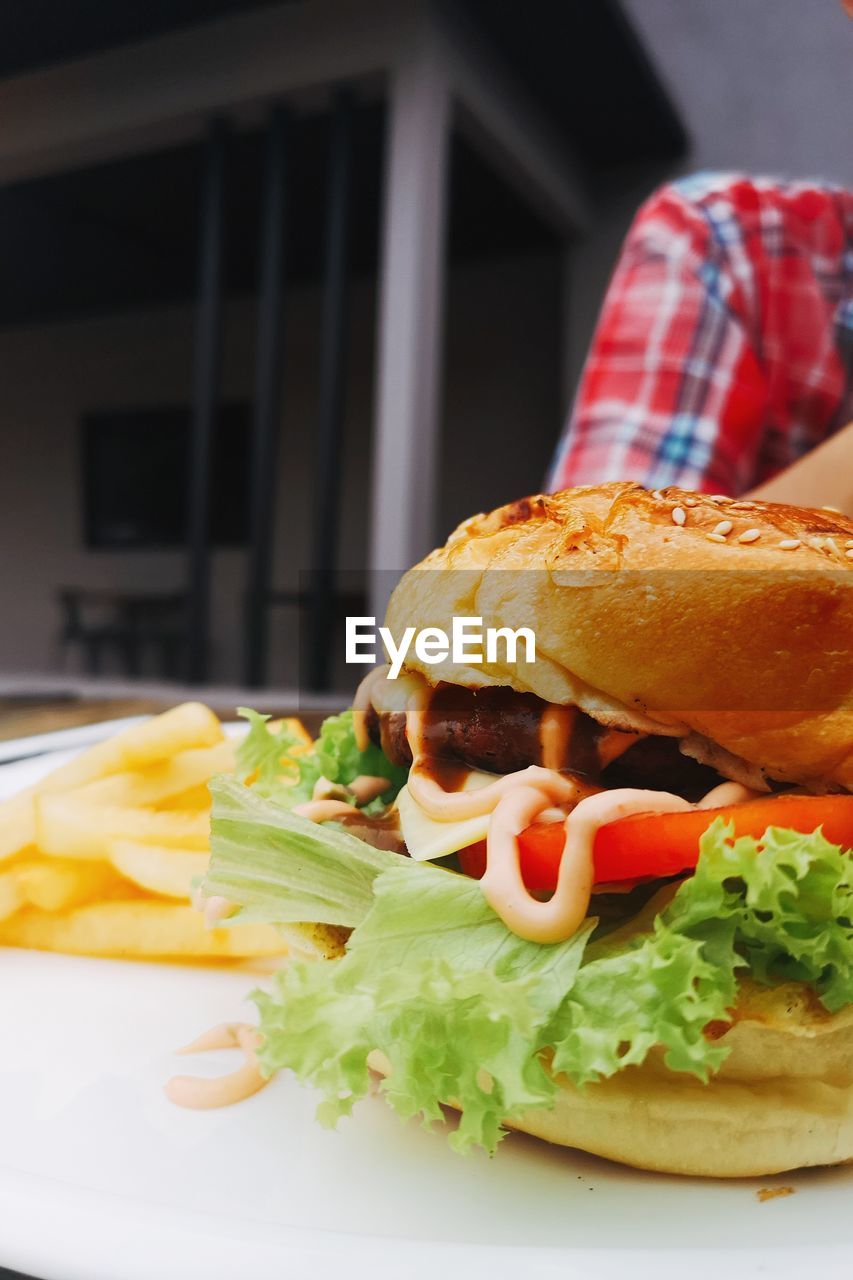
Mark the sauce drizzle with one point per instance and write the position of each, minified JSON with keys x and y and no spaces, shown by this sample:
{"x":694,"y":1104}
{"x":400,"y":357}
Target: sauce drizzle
{"x":562,"y":915}
{"x":514,"y":800}
{"x":324,"y":810}
{"x":555,"y":733}
{"x":362,"y":703}
{"x":204,"y":1092}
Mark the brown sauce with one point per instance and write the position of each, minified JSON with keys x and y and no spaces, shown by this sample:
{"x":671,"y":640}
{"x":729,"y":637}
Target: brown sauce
{"x":381,"y":831}
{"x":449,"y":774}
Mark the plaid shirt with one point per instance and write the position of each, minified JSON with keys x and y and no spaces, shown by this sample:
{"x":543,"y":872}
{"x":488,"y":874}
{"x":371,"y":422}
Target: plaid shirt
{"x":724,"y":349}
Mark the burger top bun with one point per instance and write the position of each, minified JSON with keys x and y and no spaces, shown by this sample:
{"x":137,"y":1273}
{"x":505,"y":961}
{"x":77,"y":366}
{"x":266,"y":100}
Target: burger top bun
{"x":728,"y":623}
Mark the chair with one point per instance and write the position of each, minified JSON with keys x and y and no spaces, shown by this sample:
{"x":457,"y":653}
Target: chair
{"x":126,"y":626}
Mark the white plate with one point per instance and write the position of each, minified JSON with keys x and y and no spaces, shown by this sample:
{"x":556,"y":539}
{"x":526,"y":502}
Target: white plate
{"x":83,"y":735}
{"x":102,"y":1179}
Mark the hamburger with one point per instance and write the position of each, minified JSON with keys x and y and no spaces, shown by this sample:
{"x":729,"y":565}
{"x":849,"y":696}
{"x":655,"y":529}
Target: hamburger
{"x":604,"y":896}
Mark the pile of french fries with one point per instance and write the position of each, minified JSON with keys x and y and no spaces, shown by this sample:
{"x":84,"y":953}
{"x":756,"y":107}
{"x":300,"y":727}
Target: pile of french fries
{"x":100,"y":856}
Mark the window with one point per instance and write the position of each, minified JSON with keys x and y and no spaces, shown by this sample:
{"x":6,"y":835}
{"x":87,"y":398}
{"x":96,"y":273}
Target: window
{"x":136,"y":475}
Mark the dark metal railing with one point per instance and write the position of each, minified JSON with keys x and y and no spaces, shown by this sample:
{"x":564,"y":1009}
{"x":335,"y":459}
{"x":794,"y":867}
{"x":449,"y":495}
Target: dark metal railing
{"x":321,"y":603}
{"x":325,"y":521}
{"x":208,"y":345}
{"x":268,"y":388}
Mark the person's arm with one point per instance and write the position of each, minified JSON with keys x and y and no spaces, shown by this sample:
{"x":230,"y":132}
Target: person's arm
{"x":823,"y":478}
{"x":673,"y":392}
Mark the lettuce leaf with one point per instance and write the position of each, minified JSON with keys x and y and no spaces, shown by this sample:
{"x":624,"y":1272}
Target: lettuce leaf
{"x":264,"y":755}
{"x":281,"y":868}
{"x":790,"y":905}
{"x":434,"y":981}
{"x":780,"y":908}
{"x":341,"y":761}
{"x":663,"y":991}
{"x":279,"y":768}
{"x":464,"y":1010}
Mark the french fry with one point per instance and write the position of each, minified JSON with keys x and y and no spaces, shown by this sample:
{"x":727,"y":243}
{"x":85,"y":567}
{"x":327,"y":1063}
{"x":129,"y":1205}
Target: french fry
{"x":67,"y":828}
{"x":168,"y":872}
{"x":58,"y":884}
{"x":89,"y":845}
{"x":11,"y":898}
{"x":17,"y":824}
{"x":191,"y":725}
{"x":197,"y":798}
{"x":163,"y":781}
{"x":137,"y":930}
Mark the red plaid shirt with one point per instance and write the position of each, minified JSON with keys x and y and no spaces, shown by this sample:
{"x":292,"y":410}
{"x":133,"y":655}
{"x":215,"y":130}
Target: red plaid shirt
{"x":724,"y":349}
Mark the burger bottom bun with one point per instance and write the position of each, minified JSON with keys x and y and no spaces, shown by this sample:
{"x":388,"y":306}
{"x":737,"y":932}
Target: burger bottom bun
{"x":720,"y":1130}
{"x":782,"y":1100}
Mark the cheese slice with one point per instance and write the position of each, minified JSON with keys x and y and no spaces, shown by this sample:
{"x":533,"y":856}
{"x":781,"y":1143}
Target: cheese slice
{"x":427,"y":839}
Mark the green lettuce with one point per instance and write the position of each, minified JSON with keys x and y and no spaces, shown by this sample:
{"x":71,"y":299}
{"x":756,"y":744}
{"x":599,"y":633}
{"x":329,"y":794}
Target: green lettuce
{"x":280,"y":768}
{"x":790,"y":907}
{"x":454,"y":1010}
{"x":663,"y":991}
{"x":466,"y":1011}
{"x":263,"y":753}
{"x":282,"y":869}
{"x":779,"y":908}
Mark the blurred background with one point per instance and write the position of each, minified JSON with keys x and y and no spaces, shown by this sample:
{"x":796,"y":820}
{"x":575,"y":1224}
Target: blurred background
{"x":289,"y":289}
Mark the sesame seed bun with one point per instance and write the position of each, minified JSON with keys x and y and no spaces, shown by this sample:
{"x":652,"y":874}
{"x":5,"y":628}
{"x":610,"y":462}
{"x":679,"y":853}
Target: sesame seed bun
{"x":726,"y":622}
{"x":782,"y":1100}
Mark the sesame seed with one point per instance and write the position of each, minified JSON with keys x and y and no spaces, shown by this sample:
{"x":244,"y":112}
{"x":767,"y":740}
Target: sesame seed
{"x":715,"y":537}
{"x":743,"y":506}
{"x":720,"y":497}
{"x":816,"y":543}
{"x":849,"y":542}
{"x":656,"y":493}
{"x":724,"y":527}
{"x":679,"y":515}
{"x":691,"y":502}
{"x":849,"y":553}
{"x":751,"y":535}
{"x":836,"y":510}
{"x":790,"y":544}
{"x":833,"y":546}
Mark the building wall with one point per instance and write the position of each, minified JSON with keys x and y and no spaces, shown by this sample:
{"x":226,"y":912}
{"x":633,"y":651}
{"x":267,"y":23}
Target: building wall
{"x":763,"y":86}
{"x":502,"y":409}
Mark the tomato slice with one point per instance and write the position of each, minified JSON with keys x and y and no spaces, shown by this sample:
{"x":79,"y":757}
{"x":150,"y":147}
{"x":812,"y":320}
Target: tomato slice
{"x":662,"y":844}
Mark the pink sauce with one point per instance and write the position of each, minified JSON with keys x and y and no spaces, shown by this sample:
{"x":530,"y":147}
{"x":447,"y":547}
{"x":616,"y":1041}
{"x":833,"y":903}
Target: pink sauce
{"x":217,"y":908}
{"x":362,"y":702}
{"x":728,"y":793}
{"x":367,"y":787}
{"x":565,"y":911}
{"x":516,"y":799}
{"x":201,"y":1092}
{"x":555,"y":732}
{"x":324,"y":810}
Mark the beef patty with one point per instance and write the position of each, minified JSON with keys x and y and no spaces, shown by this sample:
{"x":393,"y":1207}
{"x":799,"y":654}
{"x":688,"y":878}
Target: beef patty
{"x":498,"y":730}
